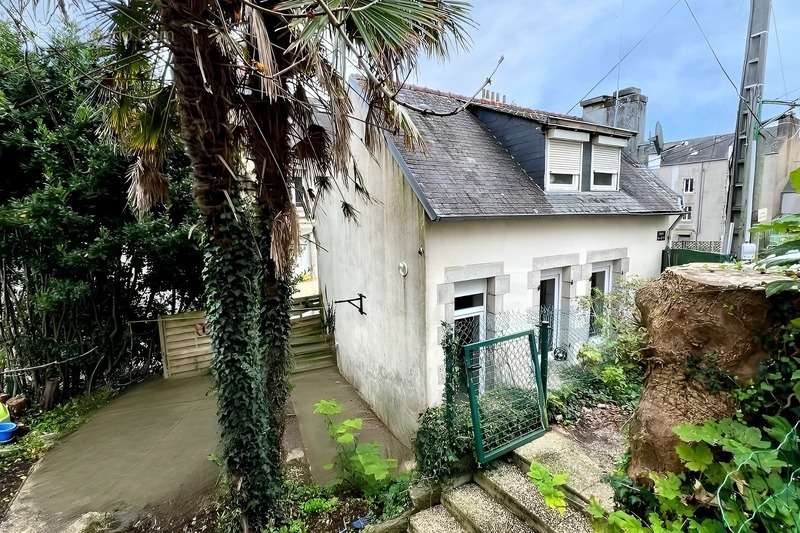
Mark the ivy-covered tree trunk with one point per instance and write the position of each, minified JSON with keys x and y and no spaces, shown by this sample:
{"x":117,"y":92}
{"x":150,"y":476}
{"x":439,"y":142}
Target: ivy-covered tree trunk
{"x":205,"y":94}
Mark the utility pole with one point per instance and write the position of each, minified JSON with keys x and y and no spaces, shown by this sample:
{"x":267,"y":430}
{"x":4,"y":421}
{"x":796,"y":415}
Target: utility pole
{"x":741,"y":183}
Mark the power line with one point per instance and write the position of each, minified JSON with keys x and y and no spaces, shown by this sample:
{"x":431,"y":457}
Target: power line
{"x":621,"y":59}
{"x":780,"y":54}
{"x":721,"y":66}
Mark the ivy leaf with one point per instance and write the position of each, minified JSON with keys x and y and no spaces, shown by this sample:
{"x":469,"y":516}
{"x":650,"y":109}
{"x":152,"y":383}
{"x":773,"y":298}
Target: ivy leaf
{"x":709,"y":432}
{"x":696,"y":457}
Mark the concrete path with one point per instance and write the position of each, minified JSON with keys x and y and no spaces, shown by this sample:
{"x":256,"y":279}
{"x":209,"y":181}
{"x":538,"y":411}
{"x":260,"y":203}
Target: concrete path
{"x":147,"y":450}
{"x":327,"y":384}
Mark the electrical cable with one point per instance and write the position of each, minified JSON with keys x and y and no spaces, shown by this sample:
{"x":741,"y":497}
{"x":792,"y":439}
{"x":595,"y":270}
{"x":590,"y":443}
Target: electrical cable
{"x":632,"y":48}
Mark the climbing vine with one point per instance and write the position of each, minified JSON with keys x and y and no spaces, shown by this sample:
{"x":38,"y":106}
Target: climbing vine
{"x":243,"y":410}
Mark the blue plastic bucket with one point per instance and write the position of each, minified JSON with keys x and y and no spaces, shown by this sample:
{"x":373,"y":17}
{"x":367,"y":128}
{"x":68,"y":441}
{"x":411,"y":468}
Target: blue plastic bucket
{"x":7,"y":430}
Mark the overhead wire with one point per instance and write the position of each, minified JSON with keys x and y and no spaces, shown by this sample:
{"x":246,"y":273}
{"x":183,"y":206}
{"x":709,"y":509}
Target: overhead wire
{"x":630,"y":50}
{"x":780,"y":53}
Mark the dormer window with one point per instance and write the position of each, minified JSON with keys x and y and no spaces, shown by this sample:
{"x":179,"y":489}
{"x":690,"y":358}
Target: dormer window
{"x":606,"y":154}
{"x":564,"y":160}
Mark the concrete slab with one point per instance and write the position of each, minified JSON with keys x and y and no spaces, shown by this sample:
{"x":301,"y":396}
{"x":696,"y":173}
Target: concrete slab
{"x":148,"y":449}
{"x":327,"y":384}
{"x":559,"y":453}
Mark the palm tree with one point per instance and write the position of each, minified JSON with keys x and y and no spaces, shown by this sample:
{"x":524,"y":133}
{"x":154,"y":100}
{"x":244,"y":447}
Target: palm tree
{"x":248,"y":79}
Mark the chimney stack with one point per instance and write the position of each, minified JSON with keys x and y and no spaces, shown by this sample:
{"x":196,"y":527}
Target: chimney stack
{"x":628,"y":112}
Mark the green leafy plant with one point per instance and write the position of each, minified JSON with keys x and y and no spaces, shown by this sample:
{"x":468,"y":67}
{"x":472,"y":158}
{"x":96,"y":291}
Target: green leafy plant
{"x":396,"y":499}
{"x":737,"y":478}
{"x":549,"y":486}
{"x":361,"y":466}
{"x":319,"y":505}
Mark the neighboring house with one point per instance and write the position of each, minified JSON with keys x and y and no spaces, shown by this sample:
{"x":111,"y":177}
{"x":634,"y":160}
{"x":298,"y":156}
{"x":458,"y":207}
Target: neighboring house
{"x":698,"y":170}
{"x":503,"y":208}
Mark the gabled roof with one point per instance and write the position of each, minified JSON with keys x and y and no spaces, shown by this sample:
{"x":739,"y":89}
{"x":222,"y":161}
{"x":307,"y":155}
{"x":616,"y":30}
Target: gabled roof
{"x":699,"y":149}
{"x":464,"y":172}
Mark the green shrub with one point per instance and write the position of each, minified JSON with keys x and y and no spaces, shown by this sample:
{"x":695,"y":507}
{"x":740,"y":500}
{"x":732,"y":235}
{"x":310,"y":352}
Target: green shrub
{"x":396,"y":499}
{"x":361,"y":466}
{"x":437,"y":455}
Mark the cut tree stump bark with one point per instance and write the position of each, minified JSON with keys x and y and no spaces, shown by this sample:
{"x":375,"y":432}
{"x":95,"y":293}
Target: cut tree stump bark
{"x":702,"y":312}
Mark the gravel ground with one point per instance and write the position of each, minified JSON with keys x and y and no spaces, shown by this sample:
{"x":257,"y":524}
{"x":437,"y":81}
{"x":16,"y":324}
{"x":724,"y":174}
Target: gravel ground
{"x":435,"y":520}
{"x":485,"y":513}
{"x":516,"y":485}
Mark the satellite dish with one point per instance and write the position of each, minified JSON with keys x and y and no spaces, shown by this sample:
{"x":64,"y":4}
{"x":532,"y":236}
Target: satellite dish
{"x":658,"y":139}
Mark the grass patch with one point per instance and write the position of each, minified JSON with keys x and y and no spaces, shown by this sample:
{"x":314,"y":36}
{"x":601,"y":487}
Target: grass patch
{"x":45,"y":429}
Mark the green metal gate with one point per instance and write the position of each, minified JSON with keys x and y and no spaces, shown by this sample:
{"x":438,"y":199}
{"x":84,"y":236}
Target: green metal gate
{"x":507,"y":395}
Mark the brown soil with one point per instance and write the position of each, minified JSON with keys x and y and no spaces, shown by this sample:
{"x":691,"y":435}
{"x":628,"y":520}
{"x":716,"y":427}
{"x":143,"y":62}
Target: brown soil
{"x":202,"y":521}
{"x":11,"y":478}
{"x":349,"y":510}
{"x":599,"y":431}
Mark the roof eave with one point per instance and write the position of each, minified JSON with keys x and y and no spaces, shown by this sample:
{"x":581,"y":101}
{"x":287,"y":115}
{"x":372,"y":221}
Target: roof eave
{"x":590,"y":126}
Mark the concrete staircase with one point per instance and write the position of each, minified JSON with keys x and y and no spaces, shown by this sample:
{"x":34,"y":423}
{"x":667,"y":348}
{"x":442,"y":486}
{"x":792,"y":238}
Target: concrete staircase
{"x":501,"y":498}
{"x":311,"y":345}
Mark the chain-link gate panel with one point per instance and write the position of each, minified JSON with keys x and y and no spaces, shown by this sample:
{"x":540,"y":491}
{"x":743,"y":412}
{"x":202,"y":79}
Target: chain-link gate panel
{"x":507,"y":399}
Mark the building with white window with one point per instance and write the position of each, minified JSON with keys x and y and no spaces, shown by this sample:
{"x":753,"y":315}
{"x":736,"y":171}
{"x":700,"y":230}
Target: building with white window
{"x":698,"y":170}
{"x":503,"y":208}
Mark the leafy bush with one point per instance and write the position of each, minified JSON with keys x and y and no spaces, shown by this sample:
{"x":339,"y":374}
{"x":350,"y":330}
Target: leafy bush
{"x":549,"y":485}
{"x":610,"y":369}
{"x":439,"y":457}
{"x":396,"y":499}
{"x":361,"y":465}
{"x":49,"y":426}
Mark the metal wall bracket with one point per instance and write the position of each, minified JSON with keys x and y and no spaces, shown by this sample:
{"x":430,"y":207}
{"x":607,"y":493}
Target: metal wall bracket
{"x":352,"y":301}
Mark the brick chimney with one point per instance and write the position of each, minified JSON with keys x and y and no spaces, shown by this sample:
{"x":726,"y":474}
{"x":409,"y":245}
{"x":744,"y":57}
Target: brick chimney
{"x":630,"y":112}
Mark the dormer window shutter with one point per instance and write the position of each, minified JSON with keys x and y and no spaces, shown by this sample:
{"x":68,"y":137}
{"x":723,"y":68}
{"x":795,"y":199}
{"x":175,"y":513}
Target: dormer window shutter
{"x":564,"y":161}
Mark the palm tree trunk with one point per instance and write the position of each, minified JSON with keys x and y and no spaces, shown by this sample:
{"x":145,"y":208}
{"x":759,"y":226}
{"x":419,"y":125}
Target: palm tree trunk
{"x":205,"y":92}
{"x":268,"y":139}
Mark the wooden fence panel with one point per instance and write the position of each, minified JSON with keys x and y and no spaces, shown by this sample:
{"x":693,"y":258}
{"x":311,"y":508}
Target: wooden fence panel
{"x":185,"y":344}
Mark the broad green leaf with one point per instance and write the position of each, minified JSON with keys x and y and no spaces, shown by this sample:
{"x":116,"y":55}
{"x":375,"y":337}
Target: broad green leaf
{"x":594,"y":508}
{"x":345,"y":438}
{"x":696,"y":457}
{"x":327,"y":408}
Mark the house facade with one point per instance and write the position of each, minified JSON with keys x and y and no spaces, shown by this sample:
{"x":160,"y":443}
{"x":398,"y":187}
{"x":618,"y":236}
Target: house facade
{"x":698,"y":170}
{"x":503,"y":208}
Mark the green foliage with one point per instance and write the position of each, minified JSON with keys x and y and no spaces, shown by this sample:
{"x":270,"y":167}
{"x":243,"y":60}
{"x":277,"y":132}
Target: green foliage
{"x":251,"y":464}
{"x":736,"y":477}
{"x":396,"y":499}
{"x":549,"y":486}
{"x":80,"y":264}
{"x":610,"y":369}
{"x":319,"y":505}
{"x":47,"y":427}
{"x":361,"y":466}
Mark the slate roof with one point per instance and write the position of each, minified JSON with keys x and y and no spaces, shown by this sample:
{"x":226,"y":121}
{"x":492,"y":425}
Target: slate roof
{"x":710,"y":148}
{"x":463,"y":172}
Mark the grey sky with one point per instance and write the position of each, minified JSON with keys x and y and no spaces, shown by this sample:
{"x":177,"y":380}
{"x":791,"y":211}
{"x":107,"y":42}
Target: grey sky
{"x":555,"y":50}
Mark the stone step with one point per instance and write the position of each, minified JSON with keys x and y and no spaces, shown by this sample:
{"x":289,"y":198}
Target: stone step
{"x":308,"y":366}
{"x":434,"y":520}
{"x":300,"y":340}
{"x":477,"y":512}
{"x":559,"y":453}
{"x":317,"y":347}
{"x":506,"y":483}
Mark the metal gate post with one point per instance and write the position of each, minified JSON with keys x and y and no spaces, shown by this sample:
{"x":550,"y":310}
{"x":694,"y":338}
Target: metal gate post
{"x":539,"y":385}
{"x":544,"y":351}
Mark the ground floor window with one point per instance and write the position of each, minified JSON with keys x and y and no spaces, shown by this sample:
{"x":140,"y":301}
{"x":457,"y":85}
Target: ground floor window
{"x":469,"y":313}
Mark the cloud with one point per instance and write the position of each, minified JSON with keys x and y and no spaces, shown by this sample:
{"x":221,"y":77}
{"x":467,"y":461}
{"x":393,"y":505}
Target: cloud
{"x":555,"y":50}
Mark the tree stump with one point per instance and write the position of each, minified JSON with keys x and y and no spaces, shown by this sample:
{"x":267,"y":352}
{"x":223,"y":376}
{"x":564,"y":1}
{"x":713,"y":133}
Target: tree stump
{"x":700,"y":312}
